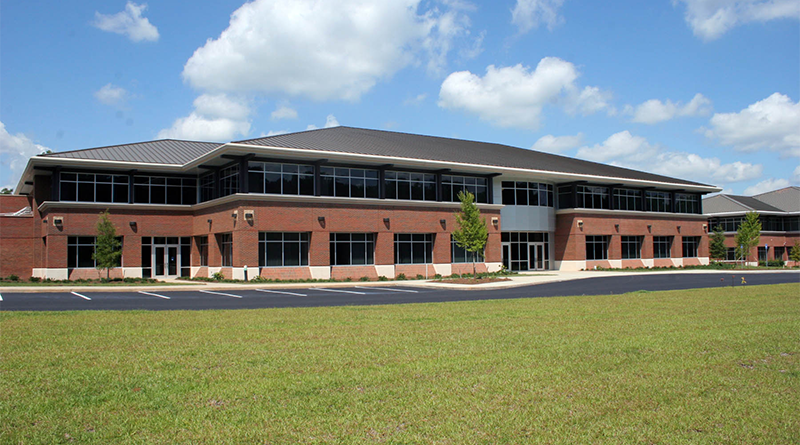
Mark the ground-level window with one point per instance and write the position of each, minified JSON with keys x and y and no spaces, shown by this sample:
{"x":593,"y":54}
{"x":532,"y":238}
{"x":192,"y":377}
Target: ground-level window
{"x":690,"y":246}
{"x":631,"y":247}
{"x":459,"y":255}
{"x":762,"y":253}
{"x":352,"y":249}
{"x":597,"y":247}
{"x":202,"y":249}
{"x":225,"y":241}
{"x":730,"y":254}
{"x":662,"y":246}
{"x":416,"y":248}
{"x":277,"y":249}
{"x":80,"y":252}
{"x":169,"y":255}
{"x":779,"y":252}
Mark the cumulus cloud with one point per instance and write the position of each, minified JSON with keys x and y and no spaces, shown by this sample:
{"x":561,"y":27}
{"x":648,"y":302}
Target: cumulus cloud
{"x":216,"y":117}
{"x":709,"y":19}
{"x":529,"y":14}
{"x":796,"y":175}
{"x":15,"y":150}
{"x":557,"y":144}
{"x":514,"y":96}
{"x":766,"y":185}
{"x":770,"y":124}
{"x":654,"y":111}
{"x":111,"y":95}
{"x":344,"y":49}
{"x":627,"y":150}
{"x":330,"y":122}
{"x":284,"y":112}
{"x":416,"y":100}
{"x":129,"y":23}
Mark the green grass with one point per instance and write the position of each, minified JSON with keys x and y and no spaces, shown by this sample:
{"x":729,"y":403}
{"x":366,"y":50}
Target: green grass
{"x":682,"y":367}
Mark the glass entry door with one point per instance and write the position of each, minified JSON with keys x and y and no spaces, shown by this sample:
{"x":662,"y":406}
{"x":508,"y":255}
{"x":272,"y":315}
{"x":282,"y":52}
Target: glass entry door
{"x":165,"y":257}
{"x":525,"y":251}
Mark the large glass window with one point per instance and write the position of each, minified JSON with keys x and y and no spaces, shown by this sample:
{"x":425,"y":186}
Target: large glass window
{"x":727,"y":224}
{"x":202,"y":249}
{"x":762,"y":253}
{"x":658,"y":201}
{"x":276,"y":249}
{"x":631,"y":247}
{"x":164,"y":190}
{"x":281,"y":179}
{"x":662,"y":247}
{"x":564,"y":197}
{"x":527,"y":194}
{"x":412,"y":186}
{"x":687,"y":203}
{"x":207,"y":187}
{"x":592,"y":197}
{"x":352,"y":249}
{"x":225,"y":241}
{"x":690,"y":246}
{"x":229,"y":180}
{"x":91,"y":187}
{"x":627,"y":199}
{"x":349,"y":182}
{"x":416,"y":248}
{"x":452,"y":185}
{"x":80,"y":252}
{"x":597,"y":247}
{"x":730,"y":254}
{"x":459,"y":255}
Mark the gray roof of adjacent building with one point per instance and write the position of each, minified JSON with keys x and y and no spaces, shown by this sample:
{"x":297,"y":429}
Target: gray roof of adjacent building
{"x":163,"y":151}
{"x":413,"y":146}
{"x":785,"y":200}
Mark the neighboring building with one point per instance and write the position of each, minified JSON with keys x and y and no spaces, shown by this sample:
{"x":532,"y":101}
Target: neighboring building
{"x":778,"y":210}
{"x":341,"y":202}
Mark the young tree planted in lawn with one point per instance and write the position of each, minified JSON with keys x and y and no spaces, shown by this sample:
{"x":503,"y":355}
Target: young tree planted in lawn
{"x":748,"y":235}
{"x":472,"y":233}
{"x":107,"y":248}
{"x":794,"y":255}
{"x":716,"y":245}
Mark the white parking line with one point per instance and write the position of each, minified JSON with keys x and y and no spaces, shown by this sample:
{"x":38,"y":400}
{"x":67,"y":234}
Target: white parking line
{"x":342,"y":291}
{"x":221,"y":293}
{"x":82,"y":296}
{"x":387,"y":288}
{"x":1,"y":298}
{"x":155,"y":295}
{"x":278,"y":292}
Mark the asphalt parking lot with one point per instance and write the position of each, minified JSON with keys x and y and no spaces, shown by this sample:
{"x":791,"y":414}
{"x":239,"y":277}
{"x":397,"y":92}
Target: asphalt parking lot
{"x":196,"y":299}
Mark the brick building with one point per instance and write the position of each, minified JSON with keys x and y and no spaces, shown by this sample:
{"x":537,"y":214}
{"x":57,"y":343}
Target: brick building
{"x":779,"y":213}
{"x":341,"y":202}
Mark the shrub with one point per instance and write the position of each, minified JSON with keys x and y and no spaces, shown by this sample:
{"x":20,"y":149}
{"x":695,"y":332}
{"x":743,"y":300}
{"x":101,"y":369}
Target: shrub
{"x":382,"y":278}
{"x":455,"y":275}
{"x":258,"y":279}
{"x":364,"y":279}
{"x":13,"y":278}
{"x":348,"y":279}
{"x":771,"y":263}
{"x":438,"y":276}
{"x":34,"y":279}
{"x":420,"y":277}
{"x":401,"y":276}
{"x":219,"y":276}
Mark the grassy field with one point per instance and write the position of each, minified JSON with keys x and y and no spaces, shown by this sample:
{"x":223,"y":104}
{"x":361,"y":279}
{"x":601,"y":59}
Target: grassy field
{"x":703,"y":366}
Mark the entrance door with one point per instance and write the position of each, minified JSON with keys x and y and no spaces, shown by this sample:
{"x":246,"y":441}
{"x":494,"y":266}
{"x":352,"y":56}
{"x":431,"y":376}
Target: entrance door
{"x":525,"y":251}
{"x":166,"y":257}
{"x":158,"y":261}
{"x":537,"y":256}
{"x":172,"y":260}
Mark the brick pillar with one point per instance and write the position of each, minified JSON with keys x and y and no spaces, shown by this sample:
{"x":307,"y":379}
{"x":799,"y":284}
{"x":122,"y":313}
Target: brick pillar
{"x":647,"y":247}
{"x":384,"y":248}
{"x":214,"y":254}
{"x":245,"y":248}
{"x":132,"y":251}
{"x":494,"y":252}
{"x":441,"y":248}
{"x":319,"y":249}
{"x":56,"y":251}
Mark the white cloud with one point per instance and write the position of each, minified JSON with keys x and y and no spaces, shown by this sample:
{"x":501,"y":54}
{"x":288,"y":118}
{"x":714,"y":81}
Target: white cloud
{"x":766,"y":185}
{"x":128,"y":22}
{"x":627,"y":150}
{"x":557,"y":144}
{"x":284,"y":112}
{"x":654,"y":111}
{"x":273,"y":133}
{"x":796,"y":175}
{"x":111,"y":95}
{"x":771,"y":124}
{"x":529,"y":14}
{"x":216,"y":117}
{"x":709,"y":19}
{"x":324,"y":50}
{"x":514,"y":96}
{"x":330,"y":122}
{"x":416,"y":100}
{"x":15,"y":150}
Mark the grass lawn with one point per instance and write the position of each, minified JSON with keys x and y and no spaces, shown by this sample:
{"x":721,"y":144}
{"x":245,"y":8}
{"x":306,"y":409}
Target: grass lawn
{"x":702,"y":366}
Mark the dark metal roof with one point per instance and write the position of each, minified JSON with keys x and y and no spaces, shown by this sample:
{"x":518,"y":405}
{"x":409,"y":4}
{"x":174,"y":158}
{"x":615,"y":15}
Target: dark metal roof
{"x":786,"y":199}
{"x":735,"y":203}
{"x":412,"y":146}
{"x":164,"y":151}
{"x":754,"y":203}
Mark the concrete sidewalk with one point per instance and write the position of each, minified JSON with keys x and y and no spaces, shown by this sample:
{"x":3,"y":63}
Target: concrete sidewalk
{"x":522,"y":279}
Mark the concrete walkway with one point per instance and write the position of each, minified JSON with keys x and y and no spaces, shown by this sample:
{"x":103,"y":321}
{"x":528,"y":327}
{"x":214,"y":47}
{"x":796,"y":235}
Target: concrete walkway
{"x":522,"y":279}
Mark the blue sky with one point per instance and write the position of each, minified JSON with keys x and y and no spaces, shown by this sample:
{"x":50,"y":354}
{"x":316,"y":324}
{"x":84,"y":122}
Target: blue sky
{"x":705,"y":90}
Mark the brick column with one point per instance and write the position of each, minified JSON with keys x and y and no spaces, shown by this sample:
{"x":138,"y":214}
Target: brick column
{"x":384,"y":248}
{"x":319,"y":249}
{"x":245,"y":248}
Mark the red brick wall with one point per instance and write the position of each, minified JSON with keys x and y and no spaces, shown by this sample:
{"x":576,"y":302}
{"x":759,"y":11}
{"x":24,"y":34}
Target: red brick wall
{"x":19,"y":239}
{"x":570,"y":240}
{"x":283,"y":273}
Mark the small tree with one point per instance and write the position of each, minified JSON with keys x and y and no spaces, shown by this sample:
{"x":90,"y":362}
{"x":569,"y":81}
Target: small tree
{"x":794,"y":255}
{"x":6,"y":191}
{"x":472,"y":233}
{"x":716,"y":245}
{"x":107,"y":248}
{"x":748,"y":235}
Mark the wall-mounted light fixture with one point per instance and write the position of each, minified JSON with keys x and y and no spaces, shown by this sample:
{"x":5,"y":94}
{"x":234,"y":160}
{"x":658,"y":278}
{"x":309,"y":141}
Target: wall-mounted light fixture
{"x":58,"y":221}
{"x":679,"y":229}
{"x":705,"y":227}
{"x":649,"y":227}
{"x":249,"y":215}
{"x":386,"y":220}
{"x":580,"y":223}
{"x":616,"y":226}
{"x":132,"y":224}
{"x":321,"y":218}
{"x":208,"y":221}
{"x":235,"y":214}
{"x":495,"y":221}
{"x":442,"y":221}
